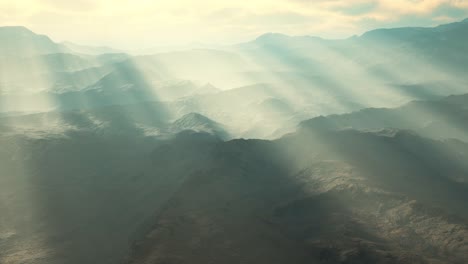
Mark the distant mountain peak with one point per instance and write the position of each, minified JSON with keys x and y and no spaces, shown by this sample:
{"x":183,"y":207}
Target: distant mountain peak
{"x":270,"y":37}
{"x":21,"y":41}
{"x":16,"y":30}
{"x":199,"y":123}
{"x":194,"y":118}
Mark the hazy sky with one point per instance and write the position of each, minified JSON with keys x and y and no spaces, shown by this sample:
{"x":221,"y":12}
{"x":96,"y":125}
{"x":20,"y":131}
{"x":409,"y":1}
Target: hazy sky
{"x":133,"y":24}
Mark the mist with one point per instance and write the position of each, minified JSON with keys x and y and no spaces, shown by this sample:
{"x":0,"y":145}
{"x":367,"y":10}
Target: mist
{"x":278,"y":149}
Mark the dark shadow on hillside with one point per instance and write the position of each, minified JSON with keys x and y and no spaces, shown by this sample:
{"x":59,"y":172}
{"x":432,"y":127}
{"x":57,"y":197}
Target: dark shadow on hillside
{"x":308,"y":198}
{"x":80,"y":196}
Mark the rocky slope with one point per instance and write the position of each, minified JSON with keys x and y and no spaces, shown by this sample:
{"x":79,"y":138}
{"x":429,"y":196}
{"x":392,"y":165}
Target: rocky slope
{"x":317,"y":196}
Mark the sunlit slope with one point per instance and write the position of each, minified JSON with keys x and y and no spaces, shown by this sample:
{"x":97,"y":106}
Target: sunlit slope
{"x":239,"y":115}
{"x":380,"y":67}
{"x":33,"y":63}
{"x":53,"y":73}
{"x":34,"y":69}
{"x":384,"y":67}
{"x":131,"y":81}
{"x":61,"y":78}
{"x":442,"y":119}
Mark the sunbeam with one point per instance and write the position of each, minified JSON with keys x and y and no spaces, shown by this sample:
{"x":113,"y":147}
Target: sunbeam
{"x":189,"y":134}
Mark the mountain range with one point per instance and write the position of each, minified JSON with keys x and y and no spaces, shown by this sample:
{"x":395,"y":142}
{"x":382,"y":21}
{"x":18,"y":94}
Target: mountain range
{"x":279,"y":150}
{"x":341,"y":193}
{"x":399,"y":64}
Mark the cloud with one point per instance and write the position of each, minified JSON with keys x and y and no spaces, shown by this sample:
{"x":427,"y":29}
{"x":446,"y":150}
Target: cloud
{"x":77,"y":5}
{"x":359,"y":8}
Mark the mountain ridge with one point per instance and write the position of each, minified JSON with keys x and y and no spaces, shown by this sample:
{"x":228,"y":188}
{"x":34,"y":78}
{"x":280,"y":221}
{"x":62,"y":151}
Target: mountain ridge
{"x":263,"y":37}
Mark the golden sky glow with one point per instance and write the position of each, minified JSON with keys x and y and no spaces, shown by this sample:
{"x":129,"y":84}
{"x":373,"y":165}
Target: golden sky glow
{"x":143,"y":23}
